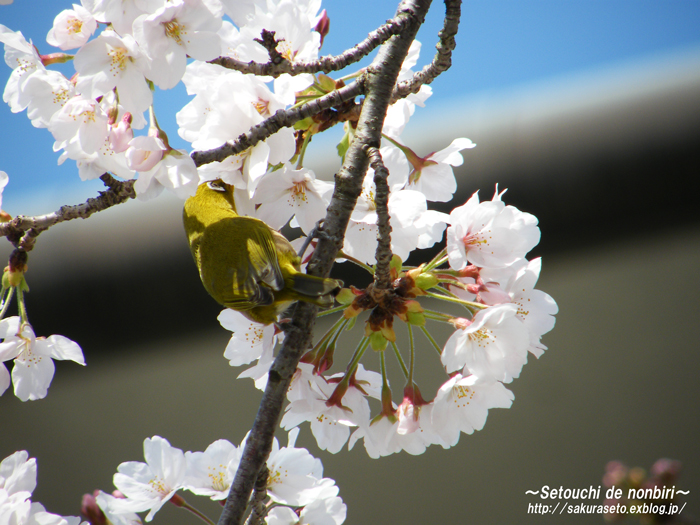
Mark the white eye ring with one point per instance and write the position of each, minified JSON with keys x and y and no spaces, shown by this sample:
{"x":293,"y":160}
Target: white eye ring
{"x":216,"y":186}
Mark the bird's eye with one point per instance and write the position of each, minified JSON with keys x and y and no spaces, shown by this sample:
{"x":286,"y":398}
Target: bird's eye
{"x":216,"y":185}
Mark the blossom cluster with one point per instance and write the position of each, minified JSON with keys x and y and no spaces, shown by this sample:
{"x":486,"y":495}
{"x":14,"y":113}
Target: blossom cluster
{"x":295,"y":481}
{"x":93,"y":115}
{"x":17,"y":482}
{"x":487,"y":242}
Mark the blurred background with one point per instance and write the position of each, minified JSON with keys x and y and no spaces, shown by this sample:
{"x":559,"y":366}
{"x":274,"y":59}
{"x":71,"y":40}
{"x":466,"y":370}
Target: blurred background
{"x":588,"y":111}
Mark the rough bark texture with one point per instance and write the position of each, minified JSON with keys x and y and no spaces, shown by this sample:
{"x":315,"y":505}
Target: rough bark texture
{"x":379,"y":83}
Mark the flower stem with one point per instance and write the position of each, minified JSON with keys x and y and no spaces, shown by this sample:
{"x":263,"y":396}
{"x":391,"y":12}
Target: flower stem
{"x":332,"y":310}
{"x":439,"y":259}
{"x":412,"y":355}
{"x":22,"y":307}
{"x":399,"y":359}
{"x":197,"y":513}
{"x":342,"y":255}
{"x":469,"y":305}
{"x":430,"y":338}
{"x":7,"y":294}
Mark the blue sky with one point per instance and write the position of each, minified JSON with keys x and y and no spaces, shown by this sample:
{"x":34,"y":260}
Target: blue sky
{"x":502,"y":44}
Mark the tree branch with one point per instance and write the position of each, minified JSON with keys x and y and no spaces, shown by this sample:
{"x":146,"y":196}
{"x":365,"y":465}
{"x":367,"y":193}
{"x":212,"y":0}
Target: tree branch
{"x":382,"y":274}
{"x":381,"y":78}
{"x":22,"y":231}
{"x":281,"y":119}
{"x":324,"y":64}
{"x":443,"y":58}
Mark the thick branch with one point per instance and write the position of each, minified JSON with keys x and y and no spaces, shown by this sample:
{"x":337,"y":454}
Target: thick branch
{"x":325,"y":64}
{"x":22,"y":231}
{"x":382,"y":274}
{"x":257,"y":502}
{"x":381,"y":78}
{"x":281,"y":119}
{"x":443,"y":58}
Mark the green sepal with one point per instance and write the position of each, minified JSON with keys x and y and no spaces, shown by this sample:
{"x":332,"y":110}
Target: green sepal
{"x":415,"y":318}
{"x":343,"y":145}
{"x":351,"y":323}
{"x":378,"y":341}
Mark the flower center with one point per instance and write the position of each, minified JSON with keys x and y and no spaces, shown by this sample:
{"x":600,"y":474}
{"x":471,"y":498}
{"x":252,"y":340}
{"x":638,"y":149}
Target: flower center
{"x":175,"y":31}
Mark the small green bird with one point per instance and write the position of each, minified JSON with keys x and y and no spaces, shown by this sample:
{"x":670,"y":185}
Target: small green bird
{"x":244,"y":264}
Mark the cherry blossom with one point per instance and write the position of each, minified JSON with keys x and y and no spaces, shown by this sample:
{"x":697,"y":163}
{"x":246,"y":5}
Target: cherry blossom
{"x":296,"y":477}
{"x":489,"y":233}
{"x":515,"y":284}
{"x":18,"y":473}
{"x":178,"y":29}
{"x":462,"y":404}
{"x":175,"y":171}
{"x":148,"y":486}
{"x":322,"y":511}
{"x":71,"y":28}
{"x":211,"y":472}
{"x":493,"y":344}
{"x":33,"y":358}
{"x":24,"y":61}
{"x":288,"y":192}
{"x":111,"y":61}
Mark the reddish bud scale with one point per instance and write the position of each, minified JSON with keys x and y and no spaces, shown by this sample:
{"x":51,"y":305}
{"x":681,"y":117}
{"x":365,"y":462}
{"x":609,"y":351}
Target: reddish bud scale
{"x":412,"y":393}
{"x":91,"y":511}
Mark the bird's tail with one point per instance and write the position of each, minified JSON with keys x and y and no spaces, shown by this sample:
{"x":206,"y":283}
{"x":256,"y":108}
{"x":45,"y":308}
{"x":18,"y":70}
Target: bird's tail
{"x":318,"y":290}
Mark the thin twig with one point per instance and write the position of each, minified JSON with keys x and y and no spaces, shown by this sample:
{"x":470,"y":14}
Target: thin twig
{"x":281,"y":119}
{"x":324,"y":64}
{"x":443,"y":58}
{"x":382,"y":273}
{"x":22,"y":231}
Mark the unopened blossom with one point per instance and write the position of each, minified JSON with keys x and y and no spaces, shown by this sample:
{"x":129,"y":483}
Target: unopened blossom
{"x":120,"y":135}
{"x":111,"y":61}
{"x":462,"y":404}
{"x":494,"y":345}
{"x":489,"y":233}
{"x":33,"y":358}
{"x":288,"y":192}
{"x":211,"y":472}
{"x":148,"y":486}
{"x":71,"y":28}
{"x":176,"y":172}
{"x":515,"y":284}
{"x":144,"y":153}
{"x":178,"y":29}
